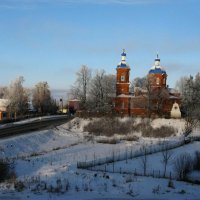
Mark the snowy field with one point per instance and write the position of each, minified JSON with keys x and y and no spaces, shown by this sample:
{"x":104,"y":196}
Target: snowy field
{"x":46,"y":163}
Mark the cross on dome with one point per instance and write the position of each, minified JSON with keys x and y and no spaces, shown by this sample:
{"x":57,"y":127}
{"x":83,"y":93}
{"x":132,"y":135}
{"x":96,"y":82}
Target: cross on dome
{"x":123,"y":53}
{"x":156,"y":68}
{"x":157,"y":58}
{"x":123,"y":60}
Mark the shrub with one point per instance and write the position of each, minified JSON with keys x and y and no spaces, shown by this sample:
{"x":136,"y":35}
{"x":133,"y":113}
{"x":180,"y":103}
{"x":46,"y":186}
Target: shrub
{"x":171,"y":184}
{"x":109,"y":126}
{"x":132,"y":138}
{"x":108,"y":141}
{"x":163,"y":131}
{"x":19,"y":186}
{"x":156,"y":190}
{"x":183,"y":165}
{"x":4,"y":170}
{"x":130,"y":178}
{"x":197,"y":160}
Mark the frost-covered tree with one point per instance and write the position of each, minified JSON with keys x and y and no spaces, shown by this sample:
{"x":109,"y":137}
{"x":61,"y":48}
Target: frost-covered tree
{"x":18,"y":97}
{"x":191,"y":103}
{"x":140,"y":82}
{"x":3,"y":92}
{"x":180,"y":84}
{"x":101,"y":90}
{"x":80,"y":89}
{"x":42,"y":101}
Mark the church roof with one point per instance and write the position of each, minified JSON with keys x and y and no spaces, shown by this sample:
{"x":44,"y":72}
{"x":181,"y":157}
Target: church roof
{"x":123,"y":63}
{"x":123,"y":53}
{"x":156,"y":68}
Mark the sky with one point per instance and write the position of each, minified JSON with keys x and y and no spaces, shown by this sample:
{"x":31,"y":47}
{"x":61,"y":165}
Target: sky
{"x":49,"y":40}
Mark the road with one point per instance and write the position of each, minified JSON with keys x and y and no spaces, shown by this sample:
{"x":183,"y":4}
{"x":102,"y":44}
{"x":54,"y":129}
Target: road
{"x":27,"y":127}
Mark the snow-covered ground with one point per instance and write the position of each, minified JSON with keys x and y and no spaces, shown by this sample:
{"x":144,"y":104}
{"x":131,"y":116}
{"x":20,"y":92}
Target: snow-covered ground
{"x":46,"y":161}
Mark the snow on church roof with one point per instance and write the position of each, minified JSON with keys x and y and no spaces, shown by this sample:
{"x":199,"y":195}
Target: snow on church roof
{"x":123,"y":63}
{"x":156,"y":68}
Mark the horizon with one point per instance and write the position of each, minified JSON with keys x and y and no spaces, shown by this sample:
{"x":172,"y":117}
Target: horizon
{"x":50,"y":40}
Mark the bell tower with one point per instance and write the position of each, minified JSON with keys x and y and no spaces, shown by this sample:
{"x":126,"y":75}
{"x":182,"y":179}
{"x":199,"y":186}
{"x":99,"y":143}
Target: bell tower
{"x":123,"y":70}
{"x":157,"y":76}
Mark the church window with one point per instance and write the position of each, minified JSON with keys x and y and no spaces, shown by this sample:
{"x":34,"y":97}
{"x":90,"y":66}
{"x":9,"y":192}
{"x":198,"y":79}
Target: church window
{"x":122,"y":105}
{"x":157,"y":81}
{"x":122,"y":78}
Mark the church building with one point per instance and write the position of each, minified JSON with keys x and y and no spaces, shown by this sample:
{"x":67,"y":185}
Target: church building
{"x":155,"y":99}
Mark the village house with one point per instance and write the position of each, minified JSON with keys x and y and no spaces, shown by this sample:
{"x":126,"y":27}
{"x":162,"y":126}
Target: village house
{"x":4,"y":114}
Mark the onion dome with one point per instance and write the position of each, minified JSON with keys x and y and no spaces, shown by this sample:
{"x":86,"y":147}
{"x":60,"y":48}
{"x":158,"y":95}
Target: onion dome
{"x":156,"y":68}
{"x":123,"y":63}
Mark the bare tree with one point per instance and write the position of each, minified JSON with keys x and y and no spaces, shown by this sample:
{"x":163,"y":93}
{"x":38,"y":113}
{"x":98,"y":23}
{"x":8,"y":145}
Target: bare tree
{"x":166,"y":156}
{"x":101,"y":90}
{"x":81,"y":88}
{"x":3,"y":92}
{"x":109,"y":85}
{"x":18,"y":97}
{"x":180,"y":84}
{"x":183,"y":165}
{"x":140,"y":82}
{"x":143,"y":159}
{"x":42,"y":100}
{"x":191,"y":103}
{"x":155,"y":97}
{"x":149,"y":96}
{"x":97,"y":90}
{"x":160,"y":96}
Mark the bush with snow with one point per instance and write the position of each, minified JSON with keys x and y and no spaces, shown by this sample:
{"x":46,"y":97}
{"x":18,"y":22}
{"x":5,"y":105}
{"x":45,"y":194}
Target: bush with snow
{"x":161,"y":132}
{"x":110,"y":126}
{"x":5,"y":171}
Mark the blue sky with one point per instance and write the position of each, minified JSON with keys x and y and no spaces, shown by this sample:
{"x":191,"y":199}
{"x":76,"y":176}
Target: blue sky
{"x":48,"y":40}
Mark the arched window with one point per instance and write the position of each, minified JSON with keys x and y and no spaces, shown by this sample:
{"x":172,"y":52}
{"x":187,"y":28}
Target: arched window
{"x":122,"y":77}
{"x":157,"y":81}
{"x":122,"y":105}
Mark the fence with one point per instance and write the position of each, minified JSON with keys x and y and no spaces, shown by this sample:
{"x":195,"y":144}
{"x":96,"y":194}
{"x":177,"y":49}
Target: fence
{"x":129,"y":154}
{"x":194,"y":138}
{"x":149,"y":173}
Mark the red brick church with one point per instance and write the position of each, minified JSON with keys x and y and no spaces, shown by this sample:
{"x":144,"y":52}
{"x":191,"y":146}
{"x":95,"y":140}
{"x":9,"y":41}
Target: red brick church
{"x":154,"y":99}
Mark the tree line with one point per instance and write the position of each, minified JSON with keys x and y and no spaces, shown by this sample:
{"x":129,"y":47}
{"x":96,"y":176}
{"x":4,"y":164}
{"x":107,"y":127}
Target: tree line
{"x":189,"y":88}
{"x":24,"y":100}
{"x":94,"y":90}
